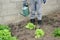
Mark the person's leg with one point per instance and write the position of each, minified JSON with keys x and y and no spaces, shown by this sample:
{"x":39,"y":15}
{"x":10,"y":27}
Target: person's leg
{"x":32,"y":16}
{"x":39,"y":11}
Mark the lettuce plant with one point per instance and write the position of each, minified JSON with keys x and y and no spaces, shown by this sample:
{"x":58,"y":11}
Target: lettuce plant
{"x":39,"y":33}
{"x":4,"y":27}
{"x":56,"y":32}
{"x":30,"y":26}
{"x":5,"y":33}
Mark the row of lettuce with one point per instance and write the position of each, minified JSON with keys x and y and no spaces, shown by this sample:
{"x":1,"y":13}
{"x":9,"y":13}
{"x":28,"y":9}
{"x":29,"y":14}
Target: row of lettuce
{"x":5,"y":33}
{"x":40,"y":33}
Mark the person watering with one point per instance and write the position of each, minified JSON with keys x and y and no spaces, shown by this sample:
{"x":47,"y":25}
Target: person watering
{"x":36,"y":5}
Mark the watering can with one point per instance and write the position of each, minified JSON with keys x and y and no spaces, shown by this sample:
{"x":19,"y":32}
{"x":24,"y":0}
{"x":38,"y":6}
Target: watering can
{"x":25,"y":11}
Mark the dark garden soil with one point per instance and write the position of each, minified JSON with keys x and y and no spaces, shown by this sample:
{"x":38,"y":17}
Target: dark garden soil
{"x":49,"y":23}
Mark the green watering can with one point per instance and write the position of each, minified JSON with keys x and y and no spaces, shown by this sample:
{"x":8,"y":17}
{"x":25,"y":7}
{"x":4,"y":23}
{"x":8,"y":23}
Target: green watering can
{"x":25,"y":11}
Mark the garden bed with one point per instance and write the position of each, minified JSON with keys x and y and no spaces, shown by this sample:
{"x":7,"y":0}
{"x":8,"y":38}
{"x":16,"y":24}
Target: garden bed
{"x":49,"y":23}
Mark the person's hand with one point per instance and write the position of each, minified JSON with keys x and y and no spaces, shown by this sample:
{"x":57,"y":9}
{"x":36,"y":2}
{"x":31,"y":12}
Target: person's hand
{"x":25,"y":4}
{"x":44,"y":1}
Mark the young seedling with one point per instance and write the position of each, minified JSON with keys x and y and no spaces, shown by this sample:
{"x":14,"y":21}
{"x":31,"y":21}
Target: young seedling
{"x":30,"y":26}
{"x":39,"y":33}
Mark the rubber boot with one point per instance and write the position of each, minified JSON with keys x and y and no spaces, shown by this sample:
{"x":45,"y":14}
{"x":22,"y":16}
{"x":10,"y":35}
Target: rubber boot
{"x":39,"y":22}
{"x":32,"y":21}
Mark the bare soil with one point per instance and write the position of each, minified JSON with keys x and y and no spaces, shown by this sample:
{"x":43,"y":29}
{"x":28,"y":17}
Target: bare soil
{"x":49,"y":22}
